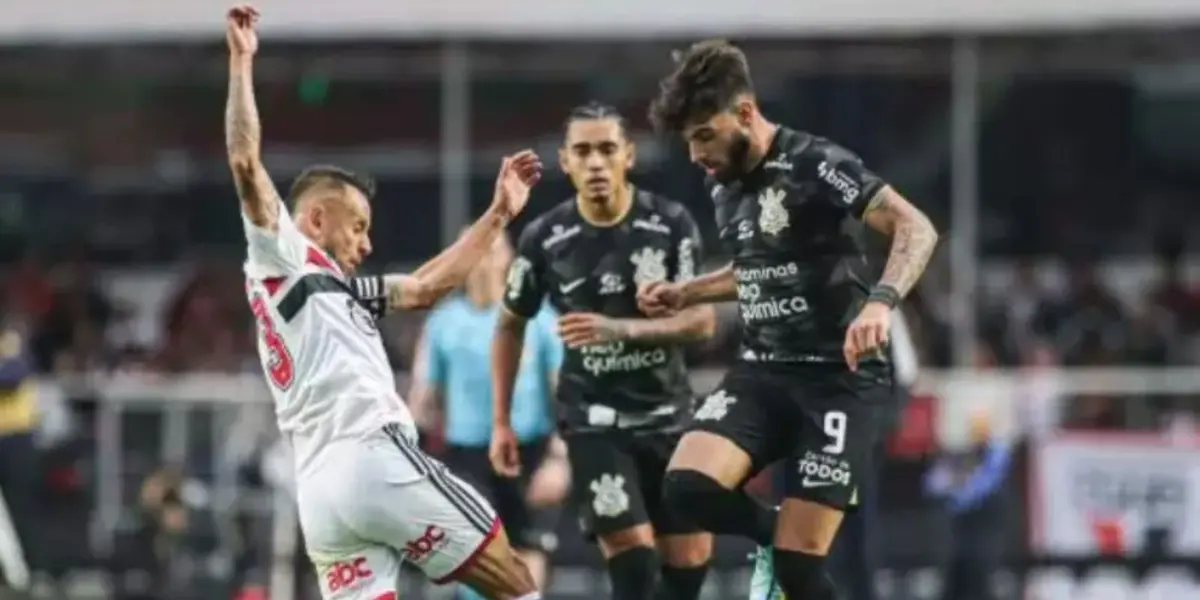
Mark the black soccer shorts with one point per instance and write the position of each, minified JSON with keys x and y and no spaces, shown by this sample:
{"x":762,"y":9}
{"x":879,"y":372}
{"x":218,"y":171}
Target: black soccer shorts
{"x":527,"y":528}
{"x":821,"y":418}
{"x":617,"y":478}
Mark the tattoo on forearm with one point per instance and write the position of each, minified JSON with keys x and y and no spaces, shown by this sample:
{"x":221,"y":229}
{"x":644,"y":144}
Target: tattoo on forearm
{"x":913,"y":241}
{"x":395,"y":293}
{"x":243,"y":142}
{"x":243,"y":133}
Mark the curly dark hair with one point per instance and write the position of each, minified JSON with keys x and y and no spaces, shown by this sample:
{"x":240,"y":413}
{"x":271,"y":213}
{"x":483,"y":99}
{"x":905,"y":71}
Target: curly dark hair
{"x":317,"y":176}
{"x":708,"y":78}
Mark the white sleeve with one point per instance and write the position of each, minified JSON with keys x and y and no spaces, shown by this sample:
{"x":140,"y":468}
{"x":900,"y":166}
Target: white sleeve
{"x":274,"y":253}
{"x":904,"y":353}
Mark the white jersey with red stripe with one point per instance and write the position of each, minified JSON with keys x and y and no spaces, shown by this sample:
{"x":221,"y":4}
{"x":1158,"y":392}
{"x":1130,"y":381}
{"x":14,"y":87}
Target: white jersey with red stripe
{"x":321,"y":350}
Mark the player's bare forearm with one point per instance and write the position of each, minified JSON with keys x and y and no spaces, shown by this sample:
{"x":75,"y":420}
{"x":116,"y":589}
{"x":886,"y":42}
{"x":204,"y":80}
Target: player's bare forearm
{"x":508,"y":342}
{"x":692,"y":324}
{"x":446,"y":271}
{"x":424,"y":402}
{"x":717,"y":286}
{"x":243,"y":143}
{"x":913,"y":238}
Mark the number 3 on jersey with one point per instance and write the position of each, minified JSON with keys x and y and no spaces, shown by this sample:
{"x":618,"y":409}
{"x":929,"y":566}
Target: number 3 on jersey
{"x":281,"y":370}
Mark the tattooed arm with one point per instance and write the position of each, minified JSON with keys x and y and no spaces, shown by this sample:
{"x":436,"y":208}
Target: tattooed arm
{"x":717,"y":286}
{"x":243,"y":132}
{"x":437,"y":277}
{"x":913,"y":238}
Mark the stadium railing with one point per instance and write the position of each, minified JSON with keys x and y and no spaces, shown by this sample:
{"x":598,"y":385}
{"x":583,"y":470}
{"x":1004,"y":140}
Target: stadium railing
{"x":1094,"y":501}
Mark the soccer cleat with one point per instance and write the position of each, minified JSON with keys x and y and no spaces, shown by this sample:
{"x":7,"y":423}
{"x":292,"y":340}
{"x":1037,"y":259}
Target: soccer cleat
{"x":762,"y":583}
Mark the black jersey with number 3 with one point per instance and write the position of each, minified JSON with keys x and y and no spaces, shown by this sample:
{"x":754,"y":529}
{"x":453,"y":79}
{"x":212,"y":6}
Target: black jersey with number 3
{"x":801,"y":271}
{"x":583,"y":268}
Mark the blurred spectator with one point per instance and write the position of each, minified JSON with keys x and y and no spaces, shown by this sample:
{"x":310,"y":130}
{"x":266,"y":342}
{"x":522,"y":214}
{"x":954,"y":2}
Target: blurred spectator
{"x":970,"y":484}
{"x":1039,"y":394}
{"x":171,"y":541}
{"x":1086,"y":323}
{"x":1025,"y":299}
{"x":30,"y":294}
{"x":73,"y":328}
{"x":202,"y":325}
{"x":1173,"y":294}
{"x":20,"y":476}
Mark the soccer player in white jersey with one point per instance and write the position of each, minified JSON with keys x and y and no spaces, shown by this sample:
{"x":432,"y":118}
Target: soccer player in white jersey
{"x":368,"y":497}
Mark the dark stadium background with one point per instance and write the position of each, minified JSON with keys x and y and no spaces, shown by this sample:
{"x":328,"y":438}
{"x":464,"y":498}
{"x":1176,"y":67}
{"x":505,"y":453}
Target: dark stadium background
{"x":121,"y":248}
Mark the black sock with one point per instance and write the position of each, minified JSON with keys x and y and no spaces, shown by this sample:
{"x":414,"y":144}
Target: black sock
{"x":803,"y":576}
{"x":633,"y":574}
{"x":718,"y":510}
{"x":681,"y":583}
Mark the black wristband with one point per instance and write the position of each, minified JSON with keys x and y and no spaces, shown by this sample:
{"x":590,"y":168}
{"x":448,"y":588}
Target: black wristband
{"x":884,"y":294}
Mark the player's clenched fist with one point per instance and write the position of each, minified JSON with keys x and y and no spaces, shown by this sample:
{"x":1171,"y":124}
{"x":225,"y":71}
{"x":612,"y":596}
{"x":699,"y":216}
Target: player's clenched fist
{"x":504,"y":451}
{"x":660,"y":298}
{"x":868,"y":334}
{"x":239,"y":30}
{"x":518,"y":174}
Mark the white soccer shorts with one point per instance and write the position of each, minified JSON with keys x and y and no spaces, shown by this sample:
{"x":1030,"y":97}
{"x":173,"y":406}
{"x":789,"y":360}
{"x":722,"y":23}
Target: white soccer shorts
{"x":368,"y":505}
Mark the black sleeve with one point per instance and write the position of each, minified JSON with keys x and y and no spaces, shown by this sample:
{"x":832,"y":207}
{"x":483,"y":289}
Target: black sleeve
{"x":843,"y":179}
{"x":371,"y":294}
{"x":525,"y":285}
{"x":689,"y":247}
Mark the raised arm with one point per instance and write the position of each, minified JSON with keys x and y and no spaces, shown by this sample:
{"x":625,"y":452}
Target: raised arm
{"x":446,"y":271}
{"x":243,"y":132}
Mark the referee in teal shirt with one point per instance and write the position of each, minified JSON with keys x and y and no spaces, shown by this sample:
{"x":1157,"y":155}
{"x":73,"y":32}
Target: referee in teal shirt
{"x":452,"y":391}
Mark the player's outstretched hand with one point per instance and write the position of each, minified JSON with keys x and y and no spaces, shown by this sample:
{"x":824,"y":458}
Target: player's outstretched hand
{"x":518,"y":174}
{"x":868,"y":334}
{"x":659,"y":298}
{"x":239,"y":30}
{"x":504,"y":452}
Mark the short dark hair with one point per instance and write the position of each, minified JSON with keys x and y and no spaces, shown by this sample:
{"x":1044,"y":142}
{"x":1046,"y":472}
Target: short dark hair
{"x":328,"y":175}
{"x":594,"y":110}
{"x":708,"y":78}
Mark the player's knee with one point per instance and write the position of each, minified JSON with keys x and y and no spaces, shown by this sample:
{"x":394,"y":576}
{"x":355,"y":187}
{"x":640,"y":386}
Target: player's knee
{"x":499,"y":572}
{"x":689,"y":493}
{"x":616,"y":542}
{"x":807,"y":527}
{"x":687,"y":550}
{"x":803,"y":575}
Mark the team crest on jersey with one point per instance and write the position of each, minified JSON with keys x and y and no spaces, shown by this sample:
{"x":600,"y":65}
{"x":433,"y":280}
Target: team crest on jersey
{"x":651,"y":265}
{"x":610,"y":283}
{"x":515,"y":280}
{"x":772,"y":216}
{"x":362,"y":317}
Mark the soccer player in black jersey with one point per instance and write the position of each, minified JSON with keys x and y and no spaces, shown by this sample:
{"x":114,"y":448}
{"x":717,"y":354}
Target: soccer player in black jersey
{"x":623,"y":394}
{"x":812,"y":383}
